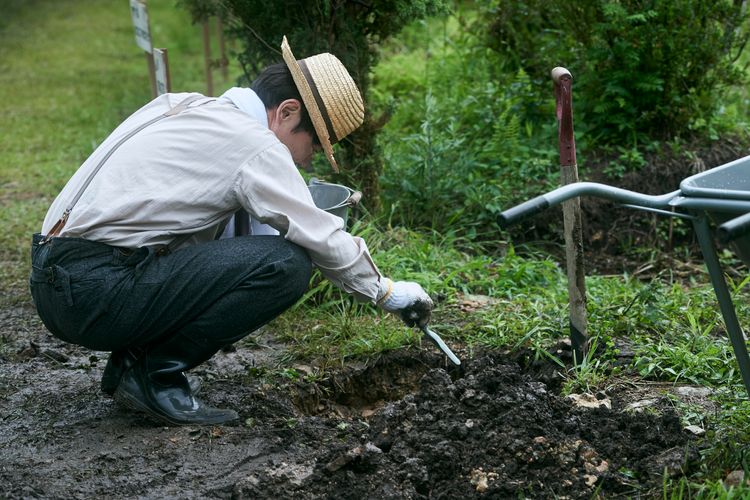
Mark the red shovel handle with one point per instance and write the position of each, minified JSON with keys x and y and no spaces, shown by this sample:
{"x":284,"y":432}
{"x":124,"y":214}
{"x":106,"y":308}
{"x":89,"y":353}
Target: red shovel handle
{"x":564,"y":104}
{"x":558,"y":73}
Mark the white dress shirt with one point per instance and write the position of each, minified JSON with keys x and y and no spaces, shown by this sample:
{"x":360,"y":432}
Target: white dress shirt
{"x":188,"y":173}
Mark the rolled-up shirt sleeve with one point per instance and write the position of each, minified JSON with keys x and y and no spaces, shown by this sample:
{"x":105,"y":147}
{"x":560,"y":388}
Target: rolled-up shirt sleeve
{"x":271,"y":189}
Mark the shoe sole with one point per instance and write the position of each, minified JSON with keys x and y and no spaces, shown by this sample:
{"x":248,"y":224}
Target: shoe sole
{"x":129,"y":401}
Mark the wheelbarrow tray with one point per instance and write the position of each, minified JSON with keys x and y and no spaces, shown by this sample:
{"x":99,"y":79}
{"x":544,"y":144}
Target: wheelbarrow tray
{"x":718,"y":186}
{"x":720,"y":195}
{"x":730,"y":181}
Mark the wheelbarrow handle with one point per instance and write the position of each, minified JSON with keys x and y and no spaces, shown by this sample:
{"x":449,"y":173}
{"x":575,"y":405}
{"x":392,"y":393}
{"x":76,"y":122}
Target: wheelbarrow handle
{"x":734,"y":228}
{"x":569,"y":191}
{"x":522,"y":211}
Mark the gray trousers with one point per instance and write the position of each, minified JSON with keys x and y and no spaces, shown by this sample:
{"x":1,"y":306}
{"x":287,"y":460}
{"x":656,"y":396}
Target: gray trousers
{"x":108,"y":298}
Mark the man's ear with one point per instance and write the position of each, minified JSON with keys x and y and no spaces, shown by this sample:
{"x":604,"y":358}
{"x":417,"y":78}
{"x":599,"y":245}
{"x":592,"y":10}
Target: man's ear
{"x":289,"y":108}
{"x":285,"y":111}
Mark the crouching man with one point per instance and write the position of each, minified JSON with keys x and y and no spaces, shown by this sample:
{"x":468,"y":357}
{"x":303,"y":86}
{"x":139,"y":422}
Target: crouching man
{"x":128,"y":259}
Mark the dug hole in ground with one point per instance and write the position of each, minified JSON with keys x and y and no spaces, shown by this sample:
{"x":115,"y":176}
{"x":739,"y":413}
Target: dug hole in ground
{"x":406,"y":424}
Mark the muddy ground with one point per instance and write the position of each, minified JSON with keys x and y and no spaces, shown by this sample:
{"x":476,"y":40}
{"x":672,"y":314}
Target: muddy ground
{"x":404,"y":425}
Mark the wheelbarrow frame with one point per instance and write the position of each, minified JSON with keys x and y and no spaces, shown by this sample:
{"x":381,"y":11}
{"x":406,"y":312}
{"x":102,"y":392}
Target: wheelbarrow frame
{"x":721,"y":190}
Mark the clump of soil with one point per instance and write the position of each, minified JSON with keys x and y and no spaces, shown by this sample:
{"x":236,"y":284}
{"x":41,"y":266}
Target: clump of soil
{"x":403,"y":425}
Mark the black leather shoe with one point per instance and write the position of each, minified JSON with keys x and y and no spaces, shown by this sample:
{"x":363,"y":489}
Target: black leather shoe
{"x":156,"y":383}
{"x":173,"y":404}
{"x":119,"y":362}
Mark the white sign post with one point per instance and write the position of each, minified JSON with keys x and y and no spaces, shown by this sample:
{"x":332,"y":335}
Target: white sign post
{"x":139,"y":14}
{"x":161,"y":65}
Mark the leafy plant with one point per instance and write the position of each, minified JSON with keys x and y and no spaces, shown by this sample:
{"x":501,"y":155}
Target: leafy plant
{"x":644,"y":70}
{"x":466,"y":148}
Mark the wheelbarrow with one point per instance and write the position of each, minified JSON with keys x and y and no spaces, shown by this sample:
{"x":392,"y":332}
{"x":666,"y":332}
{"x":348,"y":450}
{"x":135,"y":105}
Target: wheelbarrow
{"x":719,"y":197}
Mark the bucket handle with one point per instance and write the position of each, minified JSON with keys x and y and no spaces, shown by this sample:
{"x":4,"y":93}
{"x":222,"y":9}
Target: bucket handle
{"x":354,"y":196}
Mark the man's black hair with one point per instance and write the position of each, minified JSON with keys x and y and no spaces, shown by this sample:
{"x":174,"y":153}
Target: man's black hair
{"x":275,"y":85}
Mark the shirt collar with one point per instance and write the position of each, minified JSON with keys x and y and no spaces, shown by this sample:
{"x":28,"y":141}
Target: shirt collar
{"x":247,"y":101}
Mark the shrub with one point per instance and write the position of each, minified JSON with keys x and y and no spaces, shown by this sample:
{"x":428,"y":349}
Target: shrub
{"x":349,"y":29}
{"x":643,"y":69}
{"x":461,"y":145}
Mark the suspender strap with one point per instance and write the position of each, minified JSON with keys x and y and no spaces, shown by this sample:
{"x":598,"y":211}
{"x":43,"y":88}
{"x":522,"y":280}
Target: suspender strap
{"x":179,"y":108}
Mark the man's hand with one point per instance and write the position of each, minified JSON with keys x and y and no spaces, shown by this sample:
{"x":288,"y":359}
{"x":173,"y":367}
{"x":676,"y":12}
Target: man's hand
{"x":408,"y":300}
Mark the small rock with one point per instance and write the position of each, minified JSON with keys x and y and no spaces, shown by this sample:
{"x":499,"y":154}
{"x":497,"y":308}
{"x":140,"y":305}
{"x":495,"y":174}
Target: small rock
{"x":470,"y":303}
{"x":480,"y":479}
{"x":303,"y":369}
{"x":735,"y":479}
{"x":468,"y":394}
{"x":696,"y":430}
{"x":638,"y":406}
{"x":371,"y":448}
{"x":252,"y":479}
{"x":596,"y":470}
{"x":693,"y":391}
{"x":587,"y":400}
{"x":540,"y":440}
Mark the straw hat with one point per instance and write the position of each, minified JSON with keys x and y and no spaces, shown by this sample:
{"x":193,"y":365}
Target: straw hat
{"x":329,"y":94}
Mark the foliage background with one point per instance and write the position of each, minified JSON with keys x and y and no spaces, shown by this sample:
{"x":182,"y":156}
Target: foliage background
{"x":350,"y":29}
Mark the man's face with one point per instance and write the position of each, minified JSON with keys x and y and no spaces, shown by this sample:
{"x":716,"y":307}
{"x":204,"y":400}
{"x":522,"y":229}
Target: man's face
{"x":283,"y":121}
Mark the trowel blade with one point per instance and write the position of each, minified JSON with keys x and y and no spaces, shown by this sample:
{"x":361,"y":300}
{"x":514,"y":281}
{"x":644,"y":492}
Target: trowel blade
{"x":439,"y":342}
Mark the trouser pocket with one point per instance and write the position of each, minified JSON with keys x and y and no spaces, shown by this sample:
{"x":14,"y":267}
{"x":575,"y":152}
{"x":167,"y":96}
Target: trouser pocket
{"x":69,"y":297}
{"x":50,"y":289}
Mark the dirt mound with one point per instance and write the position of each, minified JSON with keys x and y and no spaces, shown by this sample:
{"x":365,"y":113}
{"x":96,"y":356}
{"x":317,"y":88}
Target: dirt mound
{"x":489,"y":429}
{"x":404,"y":425}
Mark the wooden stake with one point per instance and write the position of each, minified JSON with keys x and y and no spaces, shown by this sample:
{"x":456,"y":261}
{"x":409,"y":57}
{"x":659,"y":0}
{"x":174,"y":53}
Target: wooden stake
{"x":151,"y":73}
{"x":571,"y":214}
{"x":163,"y":78}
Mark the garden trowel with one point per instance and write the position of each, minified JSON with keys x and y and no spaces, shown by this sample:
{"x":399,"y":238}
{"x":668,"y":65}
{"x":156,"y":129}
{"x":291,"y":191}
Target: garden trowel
{"x":439,"y":342}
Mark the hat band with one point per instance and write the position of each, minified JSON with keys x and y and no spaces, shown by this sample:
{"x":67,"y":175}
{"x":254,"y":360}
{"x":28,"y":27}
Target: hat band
{"x":319,"y":101}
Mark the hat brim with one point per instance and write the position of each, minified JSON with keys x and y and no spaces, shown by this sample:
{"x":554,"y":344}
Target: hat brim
{"x":308,"y":100}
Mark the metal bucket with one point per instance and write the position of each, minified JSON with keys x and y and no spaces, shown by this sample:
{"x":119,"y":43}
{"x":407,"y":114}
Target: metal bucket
{"x":333,"y":198}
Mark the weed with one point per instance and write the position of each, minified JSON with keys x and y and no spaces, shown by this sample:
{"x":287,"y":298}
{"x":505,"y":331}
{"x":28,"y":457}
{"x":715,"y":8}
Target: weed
{"x":589,"y":374}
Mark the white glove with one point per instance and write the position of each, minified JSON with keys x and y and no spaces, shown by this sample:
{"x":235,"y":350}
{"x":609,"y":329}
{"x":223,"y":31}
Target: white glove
{"x":409,"y":300}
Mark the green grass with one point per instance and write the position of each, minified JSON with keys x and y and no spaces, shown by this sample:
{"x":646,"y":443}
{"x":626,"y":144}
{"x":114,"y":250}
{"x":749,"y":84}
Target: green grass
{"x":70,"y":72}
